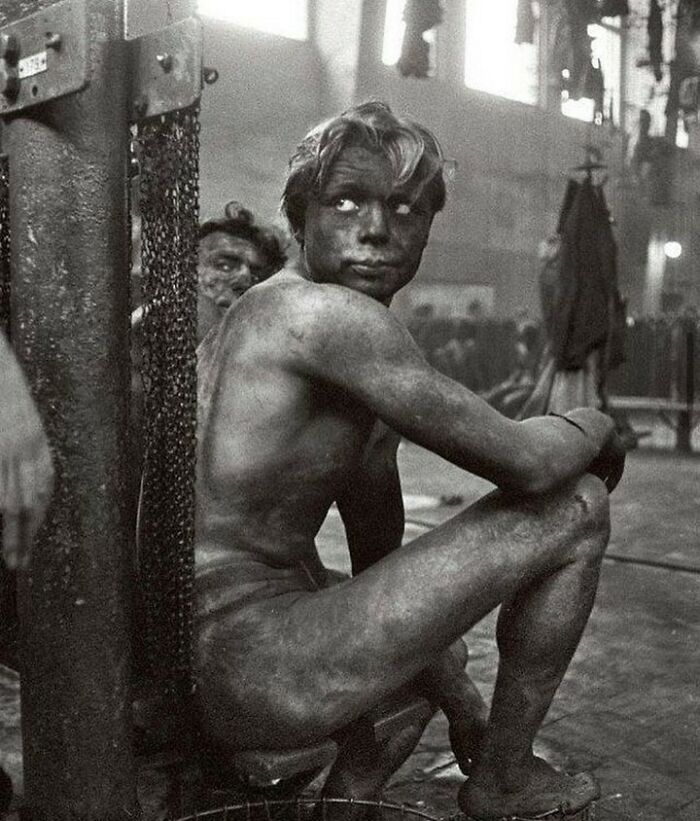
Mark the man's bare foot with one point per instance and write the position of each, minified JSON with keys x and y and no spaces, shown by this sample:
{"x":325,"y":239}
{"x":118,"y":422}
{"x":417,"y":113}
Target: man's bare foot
{"x":542,"y":789}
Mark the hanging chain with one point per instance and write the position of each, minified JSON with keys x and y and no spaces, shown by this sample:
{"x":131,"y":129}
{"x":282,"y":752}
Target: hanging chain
{"x":4,"y":244}
{"x":168,"y":153}
{"x":4,"y":262}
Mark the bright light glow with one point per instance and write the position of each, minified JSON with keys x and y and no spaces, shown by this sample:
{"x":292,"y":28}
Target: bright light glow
{"x":654,"y":279}
{"x":394,"y":28}
{"x":288,"y":18}
{"x":673,"y":249}
{"x":582,"y":109}
{"x":493,"y":62}
{"x":682,"y":136}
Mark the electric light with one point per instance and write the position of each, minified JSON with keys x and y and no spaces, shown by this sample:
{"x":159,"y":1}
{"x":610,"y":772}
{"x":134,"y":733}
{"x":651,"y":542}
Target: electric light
{"x":673,"y":249}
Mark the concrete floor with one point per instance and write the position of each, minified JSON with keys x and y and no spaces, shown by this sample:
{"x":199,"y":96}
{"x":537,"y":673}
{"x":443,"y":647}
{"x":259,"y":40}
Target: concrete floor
{"x":629,"y":708}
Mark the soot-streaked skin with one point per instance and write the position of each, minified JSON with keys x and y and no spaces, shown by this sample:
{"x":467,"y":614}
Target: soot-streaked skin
{"x":364,"y":231}
{"x":304,"y":394}
{"x":226,"y":268}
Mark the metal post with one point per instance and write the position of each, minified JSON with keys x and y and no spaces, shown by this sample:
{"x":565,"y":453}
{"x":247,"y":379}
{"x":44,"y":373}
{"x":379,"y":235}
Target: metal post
{"x":685,"y":417}
{"x":70,"y":328}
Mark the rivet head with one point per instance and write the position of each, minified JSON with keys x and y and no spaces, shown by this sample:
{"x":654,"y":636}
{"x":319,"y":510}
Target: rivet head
{"x":210,"y":75}
{"x":165,"y":61}
{"x":53,"y":41}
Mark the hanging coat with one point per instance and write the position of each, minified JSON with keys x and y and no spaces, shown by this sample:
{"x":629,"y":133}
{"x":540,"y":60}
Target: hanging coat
{"x":588,"y":313}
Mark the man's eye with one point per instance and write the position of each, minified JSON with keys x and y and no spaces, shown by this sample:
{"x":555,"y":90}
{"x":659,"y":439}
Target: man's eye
{"x":228,"y":264}
{"x":345,"y":205}
{"x":403,"y":208}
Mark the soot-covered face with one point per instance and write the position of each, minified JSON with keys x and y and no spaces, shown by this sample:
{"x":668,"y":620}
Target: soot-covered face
{"x":227,"y":267}
{"x":364,"y":231}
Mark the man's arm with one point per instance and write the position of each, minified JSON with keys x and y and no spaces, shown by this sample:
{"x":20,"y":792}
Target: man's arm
{"x":372,"y":511}
{"x":371,"y":505}
{"x":355,"y":343}
{"x":26,"y":470}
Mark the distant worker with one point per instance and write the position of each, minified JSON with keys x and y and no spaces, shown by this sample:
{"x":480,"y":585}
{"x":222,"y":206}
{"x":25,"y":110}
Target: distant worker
{"x":235,"y":252}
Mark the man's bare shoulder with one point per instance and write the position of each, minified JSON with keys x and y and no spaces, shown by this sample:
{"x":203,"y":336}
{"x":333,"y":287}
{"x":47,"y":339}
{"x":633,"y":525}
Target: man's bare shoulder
{"x":292,"y":307}
{"x":291,"y":327}
{"x":288,"y":286}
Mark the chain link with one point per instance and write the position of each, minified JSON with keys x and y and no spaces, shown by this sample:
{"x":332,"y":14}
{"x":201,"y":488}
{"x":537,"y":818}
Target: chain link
{"x":7,"y":611}
{"x":5,"y":244}
{"x":168,"y":154}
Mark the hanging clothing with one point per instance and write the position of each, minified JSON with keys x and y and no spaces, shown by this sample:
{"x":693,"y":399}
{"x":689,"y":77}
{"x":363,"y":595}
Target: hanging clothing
{"x":576,"y":389}
{"x":525,"y":24}
{"x":614,"y":8}
{"x":419,"y":16}
{"x":655,"y":32}
{"x":582,"y":311}
{"x":588,"y":303}
{"x":580,"y":13}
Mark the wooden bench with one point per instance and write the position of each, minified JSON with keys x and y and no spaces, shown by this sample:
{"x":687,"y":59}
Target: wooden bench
{"x":664,"y":408}
{"x":203,"y":778}
{"x":261,"y":768}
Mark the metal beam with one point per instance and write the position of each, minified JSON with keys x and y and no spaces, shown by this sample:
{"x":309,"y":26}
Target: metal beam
{"x":70,"y":307}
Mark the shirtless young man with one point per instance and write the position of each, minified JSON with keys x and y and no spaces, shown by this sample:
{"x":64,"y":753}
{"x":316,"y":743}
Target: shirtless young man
{"x":301,"y":389}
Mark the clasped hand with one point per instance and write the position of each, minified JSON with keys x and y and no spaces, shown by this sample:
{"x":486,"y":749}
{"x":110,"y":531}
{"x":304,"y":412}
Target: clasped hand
{"x":609,"y":464}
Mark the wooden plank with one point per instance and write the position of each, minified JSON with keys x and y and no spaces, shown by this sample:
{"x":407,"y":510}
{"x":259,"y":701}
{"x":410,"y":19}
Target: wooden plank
{"x":651,"y":403}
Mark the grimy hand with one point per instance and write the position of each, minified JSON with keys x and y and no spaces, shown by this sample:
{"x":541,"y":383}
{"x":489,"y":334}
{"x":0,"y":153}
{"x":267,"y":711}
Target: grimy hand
{"x":609,"y":464}
{"x":26,"y":469}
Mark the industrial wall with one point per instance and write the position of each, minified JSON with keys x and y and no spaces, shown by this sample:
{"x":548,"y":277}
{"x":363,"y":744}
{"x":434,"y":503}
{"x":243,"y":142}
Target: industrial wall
{"x":511,"y":160}
{"x":266,"y":98}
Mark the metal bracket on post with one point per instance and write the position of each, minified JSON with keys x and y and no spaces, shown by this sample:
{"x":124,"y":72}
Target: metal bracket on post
{"x":167,"y":72}
{"x":43,"y":56}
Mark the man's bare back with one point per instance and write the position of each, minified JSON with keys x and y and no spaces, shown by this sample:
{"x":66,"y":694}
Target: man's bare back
{"x":304,"y":392}
{"x":275,"y":454}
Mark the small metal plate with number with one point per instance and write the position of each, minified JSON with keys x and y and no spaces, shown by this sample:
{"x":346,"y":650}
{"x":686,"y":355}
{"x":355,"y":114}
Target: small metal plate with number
{"x":32,"y":65}
{"x":53,"y":55}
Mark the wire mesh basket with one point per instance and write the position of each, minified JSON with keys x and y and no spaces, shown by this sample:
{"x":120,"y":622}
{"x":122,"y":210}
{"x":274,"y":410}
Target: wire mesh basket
{"x":347,"y":809}
{"x":313,"y":809}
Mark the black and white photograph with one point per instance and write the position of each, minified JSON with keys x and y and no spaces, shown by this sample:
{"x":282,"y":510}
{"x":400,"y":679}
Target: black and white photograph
{"x":349,"y":410}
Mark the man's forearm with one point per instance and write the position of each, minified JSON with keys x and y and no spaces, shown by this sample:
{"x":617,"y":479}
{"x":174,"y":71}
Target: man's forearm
{"x":564,"y":447}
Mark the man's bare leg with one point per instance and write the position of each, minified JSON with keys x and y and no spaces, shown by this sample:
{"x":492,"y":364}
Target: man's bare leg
{"x":460,"y":701}
{"x":538,"y":632}
{"x":339,"y":651}
{"x":364,"y":765}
